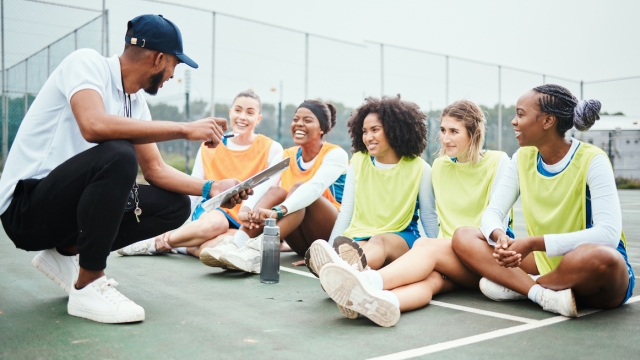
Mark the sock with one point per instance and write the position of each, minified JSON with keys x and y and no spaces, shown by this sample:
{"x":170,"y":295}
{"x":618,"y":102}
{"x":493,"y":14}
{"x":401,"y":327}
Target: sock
{"x":240,"y":238}
{"x":181,"y":250}
{"x":373,"y":278}
{"x":535,"y":277}
{"x":391,"y":297}
{"x":534,"y":293}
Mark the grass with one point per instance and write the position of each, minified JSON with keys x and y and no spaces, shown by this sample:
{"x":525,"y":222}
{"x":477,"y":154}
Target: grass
{"x":624,"y":183}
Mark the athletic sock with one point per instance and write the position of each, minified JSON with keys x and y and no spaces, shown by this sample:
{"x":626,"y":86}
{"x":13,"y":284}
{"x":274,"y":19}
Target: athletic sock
{"x":535,"y":277}
{"x":240,"y":238}
{"x":534,"y":292}
{"x":392,"y":298}
{"x":373,"y":278}
{"x":181,"y":250}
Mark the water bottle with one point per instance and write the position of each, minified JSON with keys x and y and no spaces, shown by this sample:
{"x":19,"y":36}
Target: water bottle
{"x":270,"y":270}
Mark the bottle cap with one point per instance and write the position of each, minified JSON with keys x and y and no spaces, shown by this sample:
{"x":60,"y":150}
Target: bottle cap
{"x":270,"y":222}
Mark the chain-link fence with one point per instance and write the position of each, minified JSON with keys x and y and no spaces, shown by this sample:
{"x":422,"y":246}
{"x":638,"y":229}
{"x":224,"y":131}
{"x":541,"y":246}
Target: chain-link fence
{"x":284,"y":66}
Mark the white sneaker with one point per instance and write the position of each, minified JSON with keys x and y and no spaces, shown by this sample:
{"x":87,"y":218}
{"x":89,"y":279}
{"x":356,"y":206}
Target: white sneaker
{"x":101,"y":302}
{"x":247,"y":258}
{"x":211,"y":256}
{"x":144,"y":247}
{"x":347,"y":288}
{"x":560,"y":302}
{"x":349,"y":250}
{"x":59,"y":268}
{"x":497,"y":292}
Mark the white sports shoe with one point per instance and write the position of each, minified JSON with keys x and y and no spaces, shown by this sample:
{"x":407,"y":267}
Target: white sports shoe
{"x":318,"y":255}
{"x":59,"y":268}
{"x":144,"y":247}
{"x":246,"y":258}
{"x":497,"y":292}
{"x":560,"y":302}
{"x":101,"y":302}
{"x":347,"y":288}
{"x":211,"y":256}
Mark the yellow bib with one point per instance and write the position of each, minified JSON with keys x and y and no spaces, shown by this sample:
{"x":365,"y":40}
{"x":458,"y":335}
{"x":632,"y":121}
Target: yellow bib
{"x":385,"y":199}
{"x":462,"y":190}
{"x":556,"y":204}
{"x":223,"y":163}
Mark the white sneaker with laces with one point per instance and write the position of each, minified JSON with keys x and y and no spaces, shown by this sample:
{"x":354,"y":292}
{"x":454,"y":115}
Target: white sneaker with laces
{"x":560,"y":302}
{"x":349,"y":289}
{"x":144,"y":247}
{"x":63,"y":270}
{"x":246,"y":258}
{"x":211,"y":256}
{"x":101,"y":302}
{"x":497,"y":292}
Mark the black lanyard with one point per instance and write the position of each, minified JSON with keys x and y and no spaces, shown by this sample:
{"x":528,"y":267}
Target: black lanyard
{"x":127,"y":99}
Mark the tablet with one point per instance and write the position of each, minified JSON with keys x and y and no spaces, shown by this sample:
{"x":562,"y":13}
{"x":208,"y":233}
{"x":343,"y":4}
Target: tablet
{"x":250,"y":183}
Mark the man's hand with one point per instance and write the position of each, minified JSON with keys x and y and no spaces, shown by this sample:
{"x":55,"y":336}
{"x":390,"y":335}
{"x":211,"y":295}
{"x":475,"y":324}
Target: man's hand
{"x":226,"y":184}
{"x":208,"y":130}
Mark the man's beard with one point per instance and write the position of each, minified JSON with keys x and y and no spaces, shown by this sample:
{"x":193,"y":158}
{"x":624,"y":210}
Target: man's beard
{"x":155,"y":81}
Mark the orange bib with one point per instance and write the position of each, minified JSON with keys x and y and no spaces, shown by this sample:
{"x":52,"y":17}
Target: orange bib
{"x":223,"y":163}
{"x":294,"y":174}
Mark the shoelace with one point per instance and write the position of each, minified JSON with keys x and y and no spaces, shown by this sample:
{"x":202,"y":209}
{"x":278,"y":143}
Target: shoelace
{"x":107,"y":288}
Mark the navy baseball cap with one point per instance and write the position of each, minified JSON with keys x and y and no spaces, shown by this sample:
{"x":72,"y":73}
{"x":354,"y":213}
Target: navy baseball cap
{"x":154,"y":32}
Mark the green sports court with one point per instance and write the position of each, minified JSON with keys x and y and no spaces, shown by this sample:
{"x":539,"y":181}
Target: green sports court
{"x":197,"y":312}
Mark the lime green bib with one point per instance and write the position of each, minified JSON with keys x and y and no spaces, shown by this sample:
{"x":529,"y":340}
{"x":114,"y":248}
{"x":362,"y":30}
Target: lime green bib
{"x":385,"y":199}
{"x":556,"y":204}
{"x":462,"y":190}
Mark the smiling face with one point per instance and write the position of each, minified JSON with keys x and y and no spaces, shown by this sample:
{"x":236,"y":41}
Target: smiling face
{"x":455,"y":138}
{"x":244,"y":115}
{"x":528,"y":123}
{"x":305,"y":127}
{"x":373,"y":136}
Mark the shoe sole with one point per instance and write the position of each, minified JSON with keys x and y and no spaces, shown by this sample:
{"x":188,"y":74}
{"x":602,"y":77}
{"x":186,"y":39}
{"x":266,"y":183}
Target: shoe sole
{"x":236,"y":263}
{"x":350,"y":251}
{"x":52,"y":274}
{"x":484,"y":289}
{"x":210,"y":260}
{"x":118,"y":318}
{"x":574,"y":309}
{"x":347,"y":290}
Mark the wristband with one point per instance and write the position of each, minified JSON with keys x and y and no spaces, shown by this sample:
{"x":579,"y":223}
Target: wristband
{"x":278,"y":209}
{"x":206,"y":189}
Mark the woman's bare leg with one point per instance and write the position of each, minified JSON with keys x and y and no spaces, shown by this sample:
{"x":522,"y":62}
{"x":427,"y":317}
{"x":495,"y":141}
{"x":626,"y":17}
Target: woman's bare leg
{"x":313,"y":223}
{"x":383,"y":249}
{"x":419,"y":294}
{"x":425,"y":257}
{"x":208,"y":226}
{"x":195,"y":250}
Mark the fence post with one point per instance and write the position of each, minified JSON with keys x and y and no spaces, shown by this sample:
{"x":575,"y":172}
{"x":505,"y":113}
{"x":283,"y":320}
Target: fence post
{"x":306,"y":65}
{"x":381,"y":70}
{"x":213,"y":61}
{"x":446,"y":82}
{"x":5,"y":113}
{"x":499,"y":107}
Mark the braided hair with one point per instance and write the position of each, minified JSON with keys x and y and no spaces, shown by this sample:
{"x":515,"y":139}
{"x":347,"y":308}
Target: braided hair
{"x":558,"y":101}
{"x":402,"y":121}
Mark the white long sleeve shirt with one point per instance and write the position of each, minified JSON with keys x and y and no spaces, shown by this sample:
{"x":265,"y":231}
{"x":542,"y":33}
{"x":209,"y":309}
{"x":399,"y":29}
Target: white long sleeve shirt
{"x":426,"y":201}
{"x":605,"y":205}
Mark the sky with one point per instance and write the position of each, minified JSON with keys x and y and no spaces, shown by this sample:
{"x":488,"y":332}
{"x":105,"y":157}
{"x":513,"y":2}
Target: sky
{"x":579,"y":40}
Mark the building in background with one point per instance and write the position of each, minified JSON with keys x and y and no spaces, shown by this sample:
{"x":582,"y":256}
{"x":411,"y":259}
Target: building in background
{"x":619,"y":137}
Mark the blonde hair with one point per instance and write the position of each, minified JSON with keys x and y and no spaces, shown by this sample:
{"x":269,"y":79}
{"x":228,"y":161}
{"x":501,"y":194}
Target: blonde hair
{"x":474,"y":121}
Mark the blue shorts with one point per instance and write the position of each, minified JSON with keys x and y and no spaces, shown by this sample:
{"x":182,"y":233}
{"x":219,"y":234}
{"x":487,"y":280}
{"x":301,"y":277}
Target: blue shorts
{"x":233,"y":224}
{"x":632,"y":277}
{"x":410,"y":234}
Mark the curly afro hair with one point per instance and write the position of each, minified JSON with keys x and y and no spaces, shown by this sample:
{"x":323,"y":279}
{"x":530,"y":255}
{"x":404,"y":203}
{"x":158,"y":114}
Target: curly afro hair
{"x":403,"y":123}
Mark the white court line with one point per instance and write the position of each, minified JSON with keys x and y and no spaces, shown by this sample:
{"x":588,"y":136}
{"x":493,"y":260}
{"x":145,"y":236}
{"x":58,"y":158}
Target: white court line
{"x":294,"y":271}
{"x":483,"y":312}
{"x":440,"y":303}
{"x":486,"y":336}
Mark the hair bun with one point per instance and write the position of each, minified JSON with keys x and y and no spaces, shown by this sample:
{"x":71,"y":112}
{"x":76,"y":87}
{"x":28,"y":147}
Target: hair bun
{"x":333,"y":111}
{"x":586,"y":113}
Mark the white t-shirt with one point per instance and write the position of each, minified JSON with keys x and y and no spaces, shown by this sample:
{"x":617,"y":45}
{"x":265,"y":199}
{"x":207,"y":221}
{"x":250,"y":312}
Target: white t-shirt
{"x":49,"y":133}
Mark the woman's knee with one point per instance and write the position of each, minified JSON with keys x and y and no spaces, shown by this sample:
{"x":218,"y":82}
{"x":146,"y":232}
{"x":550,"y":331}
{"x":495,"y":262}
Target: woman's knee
{"x":211,"y":228}
{"x":463,"y":237}
{"x":598,"y":258}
